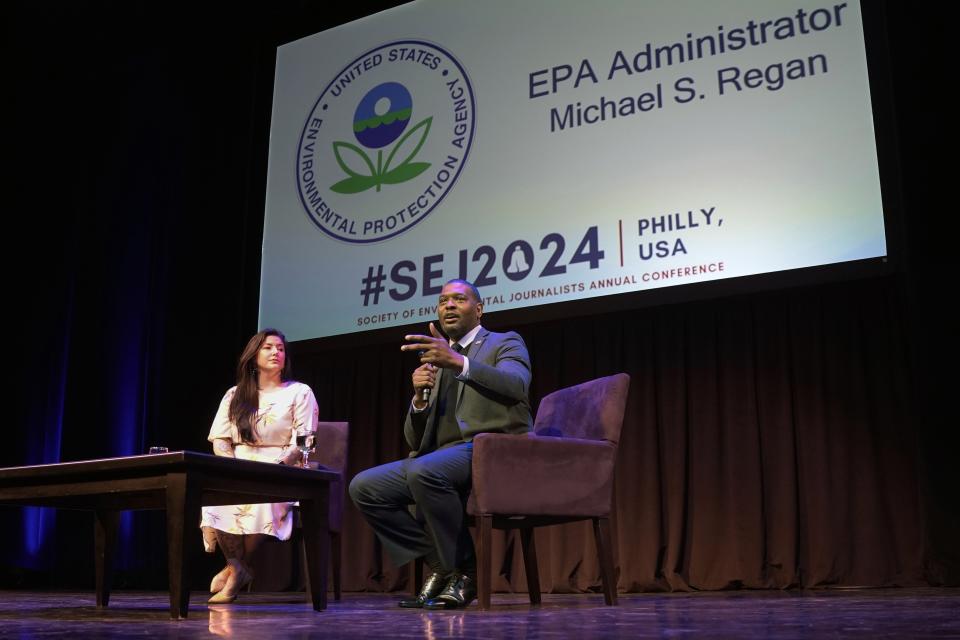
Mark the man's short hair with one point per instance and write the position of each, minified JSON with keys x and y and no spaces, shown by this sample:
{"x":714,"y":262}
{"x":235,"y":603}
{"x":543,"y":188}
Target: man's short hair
{"x":469,"y":285}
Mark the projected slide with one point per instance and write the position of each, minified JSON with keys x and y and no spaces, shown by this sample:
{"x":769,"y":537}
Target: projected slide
{"x":553,"y":151}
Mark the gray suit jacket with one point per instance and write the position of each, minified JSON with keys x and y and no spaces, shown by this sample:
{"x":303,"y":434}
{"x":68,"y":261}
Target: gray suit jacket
{"x":493,"y":399}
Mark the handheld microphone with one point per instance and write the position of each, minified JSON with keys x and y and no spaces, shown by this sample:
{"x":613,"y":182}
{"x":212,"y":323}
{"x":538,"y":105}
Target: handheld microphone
{"x":425,"y":392}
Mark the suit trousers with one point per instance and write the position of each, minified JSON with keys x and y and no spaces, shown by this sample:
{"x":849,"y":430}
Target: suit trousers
{"x":438,"y":483}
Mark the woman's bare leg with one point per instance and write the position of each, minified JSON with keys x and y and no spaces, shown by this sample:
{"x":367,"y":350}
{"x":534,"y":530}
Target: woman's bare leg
{"x":250,"y":543}
{"x":232,"y":545}
{"x":234,"y":548}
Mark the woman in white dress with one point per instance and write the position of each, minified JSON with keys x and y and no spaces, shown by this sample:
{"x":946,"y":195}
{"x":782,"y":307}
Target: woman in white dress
{"x":257,"y":420}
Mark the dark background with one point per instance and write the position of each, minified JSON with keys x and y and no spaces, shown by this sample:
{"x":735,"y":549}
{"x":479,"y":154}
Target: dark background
{"x":789,"y":436}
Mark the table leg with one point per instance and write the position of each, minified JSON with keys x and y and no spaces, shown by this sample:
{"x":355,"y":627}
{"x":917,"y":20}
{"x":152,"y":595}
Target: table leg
{"x":183,"y":521}
{"x":316,"y":542}
{"x":106,"y":525}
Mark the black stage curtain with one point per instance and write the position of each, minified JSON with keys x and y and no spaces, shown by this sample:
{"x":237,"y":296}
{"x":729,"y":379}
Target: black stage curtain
{"x":768,"y":443}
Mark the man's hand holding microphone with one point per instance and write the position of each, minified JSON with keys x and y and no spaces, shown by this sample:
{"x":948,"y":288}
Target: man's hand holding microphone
{"x":435,"y":352}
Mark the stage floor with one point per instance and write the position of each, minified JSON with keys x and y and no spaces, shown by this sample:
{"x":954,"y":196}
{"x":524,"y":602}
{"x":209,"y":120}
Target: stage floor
{"x":848,"y":613}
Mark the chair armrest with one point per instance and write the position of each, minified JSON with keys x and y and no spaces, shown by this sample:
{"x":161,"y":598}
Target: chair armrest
{"x":534,"y":475}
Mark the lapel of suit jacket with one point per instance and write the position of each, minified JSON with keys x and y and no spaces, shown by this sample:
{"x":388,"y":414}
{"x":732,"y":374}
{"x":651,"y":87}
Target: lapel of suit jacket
{"x":432,"y":405}
{"x":472,"y":351}
{"x":435,"y":392}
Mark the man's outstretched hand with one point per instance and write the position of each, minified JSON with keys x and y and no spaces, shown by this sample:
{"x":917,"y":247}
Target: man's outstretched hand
{"x":434,"y":349}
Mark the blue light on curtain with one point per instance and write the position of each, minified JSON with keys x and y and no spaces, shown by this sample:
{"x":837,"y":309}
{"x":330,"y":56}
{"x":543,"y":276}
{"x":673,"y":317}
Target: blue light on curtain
{"x":129,"y":394}
{"x":39,"y":524}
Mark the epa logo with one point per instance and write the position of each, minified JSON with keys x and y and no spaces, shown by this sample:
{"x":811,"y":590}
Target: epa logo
{"x":385,"y":142}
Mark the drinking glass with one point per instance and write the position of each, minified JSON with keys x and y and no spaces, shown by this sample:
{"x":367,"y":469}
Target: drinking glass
{"x":304,"y":444}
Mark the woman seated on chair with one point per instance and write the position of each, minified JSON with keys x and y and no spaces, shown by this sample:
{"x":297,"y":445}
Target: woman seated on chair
{"x":257,"y":420}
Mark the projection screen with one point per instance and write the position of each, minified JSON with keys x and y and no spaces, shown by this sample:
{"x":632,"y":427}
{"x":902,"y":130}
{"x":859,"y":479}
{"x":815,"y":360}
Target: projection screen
{"x":553,"y":150}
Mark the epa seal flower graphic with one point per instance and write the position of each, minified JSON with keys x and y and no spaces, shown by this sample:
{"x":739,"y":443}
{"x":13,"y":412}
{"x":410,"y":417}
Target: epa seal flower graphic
{"x":381,"y":117}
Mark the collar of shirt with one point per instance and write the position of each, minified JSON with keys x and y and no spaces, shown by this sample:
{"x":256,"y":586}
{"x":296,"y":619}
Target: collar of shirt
{"x":468,"y":338}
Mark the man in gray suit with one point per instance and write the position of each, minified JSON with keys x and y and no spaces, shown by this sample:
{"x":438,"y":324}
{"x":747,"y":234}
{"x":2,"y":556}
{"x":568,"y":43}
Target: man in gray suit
{"x":470,"y":381}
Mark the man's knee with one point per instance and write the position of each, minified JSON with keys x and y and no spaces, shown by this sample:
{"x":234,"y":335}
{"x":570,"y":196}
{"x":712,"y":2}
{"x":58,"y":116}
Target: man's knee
{"x":359,"y":488}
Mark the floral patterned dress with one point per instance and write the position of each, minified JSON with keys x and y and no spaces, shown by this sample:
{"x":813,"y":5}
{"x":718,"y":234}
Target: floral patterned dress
{"x":281,"y":411}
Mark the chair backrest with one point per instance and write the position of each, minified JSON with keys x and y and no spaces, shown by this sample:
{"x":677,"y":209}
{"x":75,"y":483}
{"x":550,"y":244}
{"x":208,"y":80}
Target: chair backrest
{"x":331,"y":452}
{"x":592,"y":410}
{"x":331,"y":445}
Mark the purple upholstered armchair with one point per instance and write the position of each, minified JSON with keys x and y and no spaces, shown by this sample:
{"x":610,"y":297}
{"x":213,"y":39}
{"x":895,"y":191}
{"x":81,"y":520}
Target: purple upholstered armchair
{"x":562,"y":472}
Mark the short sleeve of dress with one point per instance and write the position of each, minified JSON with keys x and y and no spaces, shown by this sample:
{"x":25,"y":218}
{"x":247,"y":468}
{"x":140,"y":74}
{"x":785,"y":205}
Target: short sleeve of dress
{"x":305,"y":411}
{"x":222,"y":427}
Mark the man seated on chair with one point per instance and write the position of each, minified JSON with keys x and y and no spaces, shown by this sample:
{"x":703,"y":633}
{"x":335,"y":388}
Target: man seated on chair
{"x":469,"y":381}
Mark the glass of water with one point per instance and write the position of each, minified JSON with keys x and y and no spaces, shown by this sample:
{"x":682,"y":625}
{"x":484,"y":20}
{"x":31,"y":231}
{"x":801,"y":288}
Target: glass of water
{"x":304,"y":444}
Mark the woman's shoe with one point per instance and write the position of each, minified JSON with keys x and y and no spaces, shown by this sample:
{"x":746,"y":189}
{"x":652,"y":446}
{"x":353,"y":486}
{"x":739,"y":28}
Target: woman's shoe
{"x":222,"y":597}
{"x":240,"y":576}
{"x":220,"y":580}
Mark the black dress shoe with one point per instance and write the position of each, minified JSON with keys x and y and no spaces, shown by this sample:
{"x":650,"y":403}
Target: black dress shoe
{"x":432,"y":587}
{"x":460,"y":591}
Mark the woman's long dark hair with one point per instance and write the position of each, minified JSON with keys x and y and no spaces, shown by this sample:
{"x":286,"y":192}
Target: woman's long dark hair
{"x":246,"y":400}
